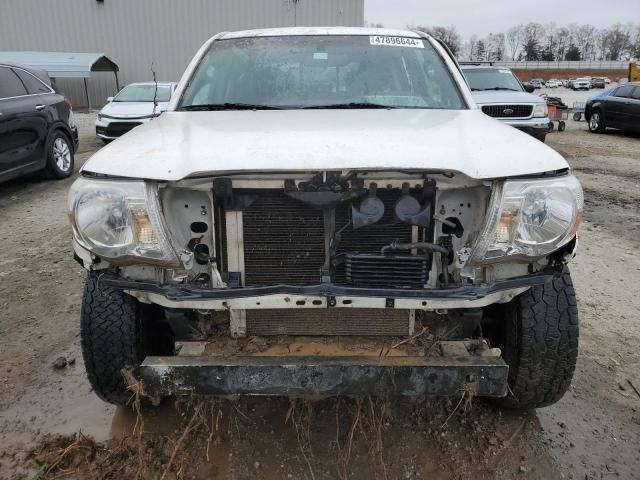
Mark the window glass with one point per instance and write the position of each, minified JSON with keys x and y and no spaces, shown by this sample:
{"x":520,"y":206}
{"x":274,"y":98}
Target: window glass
{"x":624,"y":91}
{"x":32,"y":83}
{"x":636,"y":94}
{"x":317,"y":71}
{"x":481,"y":79}
{"x":10,"y":84}
{"x":143,"y":93}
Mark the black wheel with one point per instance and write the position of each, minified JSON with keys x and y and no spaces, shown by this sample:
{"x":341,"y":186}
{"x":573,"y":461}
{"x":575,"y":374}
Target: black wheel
{"x":117,"y":331}
{"x":539,"y":340}
{"x":550,"y":127}
{"x":577,"y":116}
{"x":541,"y":137}
{"x":596,"y":123}
{"x":59,"y":155}
{"x":561,"y":126}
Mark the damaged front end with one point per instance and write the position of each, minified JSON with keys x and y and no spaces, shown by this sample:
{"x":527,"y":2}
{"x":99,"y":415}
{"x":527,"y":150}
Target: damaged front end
{"x":325,"y":283}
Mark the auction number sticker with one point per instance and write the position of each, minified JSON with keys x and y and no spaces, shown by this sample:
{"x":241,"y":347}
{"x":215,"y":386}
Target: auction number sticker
{"x":384,"y":40}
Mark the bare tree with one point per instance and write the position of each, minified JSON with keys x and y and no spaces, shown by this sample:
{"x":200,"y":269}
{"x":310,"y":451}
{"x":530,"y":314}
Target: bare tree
{"x":533,"y":32}
{"x":514,"y":39}
{"x":549,"y":42}
{"x":495,"y":47}
{"x":449,"y":35}
{"x":635,"y":43}
{"x":616,"y":41}
{"x":563,"y":41}
{"x":471,"y":47}
{"x":585,"y":39}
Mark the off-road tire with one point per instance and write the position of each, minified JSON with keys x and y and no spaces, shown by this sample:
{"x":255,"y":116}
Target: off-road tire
{"x":116,"y":333}
{"x":540,"y":343}
{"x":51,"y":168}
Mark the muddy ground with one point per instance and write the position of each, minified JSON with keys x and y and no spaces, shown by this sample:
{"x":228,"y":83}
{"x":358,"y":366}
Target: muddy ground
{"x":593,"y":432}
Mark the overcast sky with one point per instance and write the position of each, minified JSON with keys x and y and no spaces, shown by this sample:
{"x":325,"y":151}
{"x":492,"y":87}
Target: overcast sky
{"x":492,"y":16}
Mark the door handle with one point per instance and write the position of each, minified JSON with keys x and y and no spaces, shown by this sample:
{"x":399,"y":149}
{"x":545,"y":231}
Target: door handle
{"x":40,"y":107}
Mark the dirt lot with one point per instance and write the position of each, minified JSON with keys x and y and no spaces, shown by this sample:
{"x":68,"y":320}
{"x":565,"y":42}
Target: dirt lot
{"x":592,"y":433}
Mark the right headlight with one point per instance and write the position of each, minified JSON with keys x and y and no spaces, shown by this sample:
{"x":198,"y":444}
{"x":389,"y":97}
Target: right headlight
{"x":120,"y":221}
{"x":541,"y":110}
{"x":529,"y":219}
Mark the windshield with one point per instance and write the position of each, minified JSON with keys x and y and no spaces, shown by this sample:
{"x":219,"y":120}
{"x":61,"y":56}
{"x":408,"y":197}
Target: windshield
{"x":327,"y":71}
{"x":143,"y":93}
{"x":492,"y":79}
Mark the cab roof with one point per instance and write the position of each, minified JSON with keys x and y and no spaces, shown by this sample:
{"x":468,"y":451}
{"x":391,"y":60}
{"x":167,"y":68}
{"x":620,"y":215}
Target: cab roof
{"x":293,"y":31}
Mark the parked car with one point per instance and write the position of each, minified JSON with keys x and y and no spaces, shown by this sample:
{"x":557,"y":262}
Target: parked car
{"x":620,"y":109}
{"x":134,"y":105}
{"x":553,"y":83}
{"x":37,"y":126}
{"x":581,"y":84}
{"x":538,"y":83}
{"x":607,"y":80}
{"x":324,"y":191}
{"x":598,"y":83}
{"x":499,"y":94}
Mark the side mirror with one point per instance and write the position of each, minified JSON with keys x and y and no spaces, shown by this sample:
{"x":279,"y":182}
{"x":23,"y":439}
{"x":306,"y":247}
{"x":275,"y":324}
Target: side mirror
{"x":529,"y":88}
{"x":109,"y":99}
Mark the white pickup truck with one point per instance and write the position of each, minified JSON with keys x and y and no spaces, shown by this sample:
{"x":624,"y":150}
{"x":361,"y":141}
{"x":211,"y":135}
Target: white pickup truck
{"x":326,"y":211}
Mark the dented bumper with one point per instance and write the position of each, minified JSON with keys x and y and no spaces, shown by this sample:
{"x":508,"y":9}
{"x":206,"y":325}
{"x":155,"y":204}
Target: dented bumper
{"x":310,"y":376}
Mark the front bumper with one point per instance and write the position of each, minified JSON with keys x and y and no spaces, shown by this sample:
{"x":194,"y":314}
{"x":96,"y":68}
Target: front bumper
{"x":536,"y":127}
{"x":110,"y":128}
{"x":321,"y":376}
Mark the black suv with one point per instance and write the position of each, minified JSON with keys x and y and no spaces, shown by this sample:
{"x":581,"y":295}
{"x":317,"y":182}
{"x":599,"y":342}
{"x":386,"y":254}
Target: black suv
{"x":620,"y":109}
{"x":37,"y":129}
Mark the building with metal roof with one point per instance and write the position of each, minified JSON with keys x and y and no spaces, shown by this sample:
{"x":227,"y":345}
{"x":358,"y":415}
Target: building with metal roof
{"x":65,"y":65}
{"x":136,"y":34}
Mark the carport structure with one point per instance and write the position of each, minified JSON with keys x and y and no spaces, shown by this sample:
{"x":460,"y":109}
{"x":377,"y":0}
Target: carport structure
{"x":65,"y":65}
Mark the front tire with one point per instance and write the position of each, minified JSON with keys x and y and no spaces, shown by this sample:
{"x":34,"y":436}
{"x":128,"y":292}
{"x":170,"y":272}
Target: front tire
{"x":539,"y":341}
{"x":596,"y":123}
{"x":116,"y":332}
{"x":60,"y":161}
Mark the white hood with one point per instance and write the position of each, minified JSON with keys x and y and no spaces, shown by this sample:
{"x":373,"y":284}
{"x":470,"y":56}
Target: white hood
{"x":132,"y":109}
{"x":183,"y":144}
{"x":505,"y":97}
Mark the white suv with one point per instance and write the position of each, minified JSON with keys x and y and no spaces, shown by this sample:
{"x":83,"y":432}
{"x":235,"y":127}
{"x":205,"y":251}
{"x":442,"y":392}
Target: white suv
{"x":581,"y":84}
{"x":311,"y":199}
{"x":500,"y":94}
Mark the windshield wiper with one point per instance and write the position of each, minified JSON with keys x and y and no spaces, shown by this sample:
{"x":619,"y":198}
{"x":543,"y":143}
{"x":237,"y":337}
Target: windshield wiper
{"x":496,"y":88}
{"x":229,"y":106}
{"x":347,"y":105}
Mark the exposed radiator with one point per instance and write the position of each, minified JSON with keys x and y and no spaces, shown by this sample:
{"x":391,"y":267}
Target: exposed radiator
{"x":397,"y":271}
{"x":283,"y":241}
{"x":372,"y":238}
{"x":329,"y":321}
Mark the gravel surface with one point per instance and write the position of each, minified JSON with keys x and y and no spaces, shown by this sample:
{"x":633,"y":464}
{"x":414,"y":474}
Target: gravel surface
{"x":592,"y":433}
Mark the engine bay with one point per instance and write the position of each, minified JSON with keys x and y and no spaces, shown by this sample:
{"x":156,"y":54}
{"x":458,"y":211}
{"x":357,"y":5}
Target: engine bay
{"x":393,"y":230}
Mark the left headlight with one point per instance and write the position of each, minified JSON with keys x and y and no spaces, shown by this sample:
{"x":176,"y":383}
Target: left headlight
{"x":120,"y":221}
{"x":529,"y":219}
